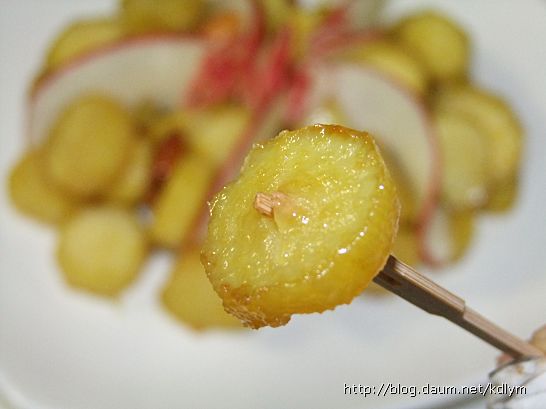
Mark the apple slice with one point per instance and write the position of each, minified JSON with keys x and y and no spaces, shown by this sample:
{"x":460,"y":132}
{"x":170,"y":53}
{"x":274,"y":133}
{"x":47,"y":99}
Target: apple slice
{"x":154,"y":68}
{"x":367,"y":100}
{"x":188,"y":295}
{"x":347,"y":22}
{"x":263,"y":125}
{"x":391,"y":59}
{"x":446,"y":237}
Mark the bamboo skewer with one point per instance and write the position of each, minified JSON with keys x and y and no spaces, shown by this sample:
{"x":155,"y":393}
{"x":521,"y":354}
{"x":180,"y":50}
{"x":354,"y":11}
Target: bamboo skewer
{"x":407,"y":283}
{"x":417,"y":289}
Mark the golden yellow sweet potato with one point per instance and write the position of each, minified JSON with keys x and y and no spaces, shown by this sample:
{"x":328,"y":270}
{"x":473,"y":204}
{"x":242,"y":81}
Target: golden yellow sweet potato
{"x":142,"y":16}
{"x":440,"y":45}
{"x":189,"y":296}
{"x":211,"y":132}
{"x":133,"y":182}
{"x":406,"y":191}
{"x":396,"y":62}
{"x":101,"y":250}
{"x":180,"y":201}
{"x":82,"y":37}
{"x":168,"y":125}
{"x":464,"y":152}
{"x":462,"y":230}
{"x":277,"y":13}
{"x":503,"y":195}
{"x":89,"y":145}
{"x":33,"y":194}
{"x":496,"y":119}
{"x":406,"y":245}
{"x":306,"y":226}
{"x":214,"y":132}
{"x":147,"y":114}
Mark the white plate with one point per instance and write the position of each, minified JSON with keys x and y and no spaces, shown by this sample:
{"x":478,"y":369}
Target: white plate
{"x":64,"y":350}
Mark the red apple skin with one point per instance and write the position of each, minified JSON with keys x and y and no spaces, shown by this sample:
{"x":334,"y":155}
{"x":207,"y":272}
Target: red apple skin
{"x":168,"y":153}
{"x":257,"y":22}
{"x":274,"y":73}
{"x":45,"y":79}
{"x":280,"y":77}
{"x":226,"y":67}
{"x":47,"y":98}
{"x":429,"y":201}
{"x":429,"y":206}
{"x":326,"y":45}
{"x":425,"y":253}
{"x":265,"y":123}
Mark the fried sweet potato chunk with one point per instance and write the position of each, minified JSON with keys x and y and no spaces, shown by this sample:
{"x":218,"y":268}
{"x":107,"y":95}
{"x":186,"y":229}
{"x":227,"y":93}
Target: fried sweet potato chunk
{"x":33,"y":194}
{"x":441,"y":46}
{"x":189,"y":296}
{"x":89,"y":145}
{"x":101,"y":250}
{"x":306,"y":226}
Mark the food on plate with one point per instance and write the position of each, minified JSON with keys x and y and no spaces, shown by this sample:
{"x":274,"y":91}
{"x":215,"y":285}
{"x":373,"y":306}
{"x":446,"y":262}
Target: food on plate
{"x":277,"y":12}
{"x":171,"y":124}
{"x":101,"y":249}
{"x":147,"y":114}
{"x":88,"y":146}
{"x":33,"y":194}
{"x":81,"y":38}
{"x":180,"y":201}
{"x":213,"y":138}
{"x":365,"y":98}
{"x":222,"y":27}
{"x":405,"y":246}
{"x":132,"y":183}
{"x":140,"y":16}
{"x":464,"y":151}
{"x":167,"y":154}
{"x":210,"y":132}
{"x":441,"y":46}
{"x":447,"y":237}
{"x":462,"y":231}
{"x":404,"y":187}
{"x":309,"y":222}
{"x":391,"y":59}
{"x":503,"y":195}
{"x":214,"y":132}
{"x":189,"y":296}
{"x":140,"y":117}
{"x":491,"y":114}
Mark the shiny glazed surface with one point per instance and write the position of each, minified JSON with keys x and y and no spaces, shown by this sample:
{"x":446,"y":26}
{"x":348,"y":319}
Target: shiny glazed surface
{"x":327,"y":237}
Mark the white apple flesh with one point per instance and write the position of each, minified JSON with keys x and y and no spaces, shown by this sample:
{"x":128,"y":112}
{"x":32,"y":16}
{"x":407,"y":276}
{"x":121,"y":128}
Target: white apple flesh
{"x":162,"y":69}
{"x":158,"y":68}
{"x":370,"y":101}
{"x":265,"y":124}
